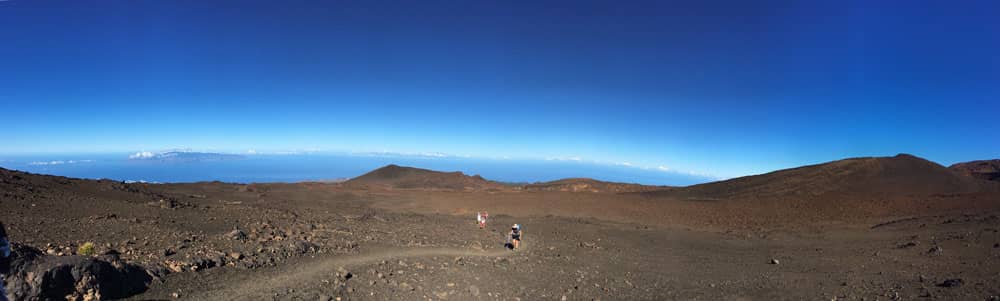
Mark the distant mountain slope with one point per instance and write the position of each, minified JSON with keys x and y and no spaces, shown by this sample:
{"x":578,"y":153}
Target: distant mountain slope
{"x":872,"y":176}
{"x":589,"y":185}
{"x":394,"y":176}
{"x":982,"y":169}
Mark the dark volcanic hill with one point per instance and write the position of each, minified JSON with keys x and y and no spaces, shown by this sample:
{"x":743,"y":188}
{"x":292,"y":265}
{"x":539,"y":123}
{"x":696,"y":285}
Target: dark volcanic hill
{"x":900,"y":175}
{"x":401,"y":177}
{"x":589,"y":185}
{"x":982,"y":169}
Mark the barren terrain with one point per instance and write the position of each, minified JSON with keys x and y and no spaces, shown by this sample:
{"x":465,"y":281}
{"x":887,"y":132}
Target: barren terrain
{"x":894,"y":228}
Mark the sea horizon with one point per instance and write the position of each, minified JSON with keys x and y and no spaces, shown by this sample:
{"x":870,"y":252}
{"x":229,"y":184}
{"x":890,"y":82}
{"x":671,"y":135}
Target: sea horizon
{"x":322,"y":167}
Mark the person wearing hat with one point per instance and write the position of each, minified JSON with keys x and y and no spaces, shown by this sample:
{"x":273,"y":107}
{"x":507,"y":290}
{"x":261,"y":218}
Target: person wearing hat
{"x":515,"y":235}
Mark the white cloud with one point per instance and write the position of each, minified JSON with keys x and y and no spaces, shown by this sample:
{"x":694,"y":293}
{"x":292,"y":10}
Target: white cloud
{"x":140,"y":181}
{"x":58,"y":162}
{"x":624,"y":164}
{"x":251,"y":152}
{"x":142,"y":155}
{"x":663,"y":168}
{"x":576,"y":159}
{"x":434,"y":155}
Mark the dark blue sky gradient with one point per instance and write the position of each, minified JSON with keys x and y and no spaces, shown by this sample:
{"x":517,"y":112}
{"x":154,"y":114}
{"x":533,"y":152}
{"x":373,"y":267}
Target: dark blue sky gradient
{"x":725,"y":88}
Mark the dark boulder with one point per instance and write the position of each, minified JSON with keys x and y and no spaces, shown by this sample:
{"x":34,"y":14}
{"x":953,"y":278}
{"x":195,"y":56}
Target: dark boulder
{"x":38,"y":277}
{"x":951,"y":283}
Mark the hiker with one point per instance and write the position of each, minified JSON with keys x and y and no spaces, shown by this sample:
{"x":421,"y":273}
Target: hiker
{"x":481,"y":219}
{"x":515,"y":235}
{"x":4,"y":260}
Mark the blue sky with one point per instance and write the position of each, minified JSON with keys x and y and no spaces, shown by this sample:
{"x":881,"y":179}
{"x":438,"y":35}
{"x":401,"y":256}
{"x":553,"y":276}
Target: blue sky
{"x":725,"y":88}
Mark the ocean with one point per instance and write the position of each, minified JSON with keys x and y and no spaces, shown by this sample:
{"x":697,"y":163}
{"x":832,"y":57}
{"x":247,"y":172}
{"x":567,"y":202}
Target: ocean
{"x":323,"y":167}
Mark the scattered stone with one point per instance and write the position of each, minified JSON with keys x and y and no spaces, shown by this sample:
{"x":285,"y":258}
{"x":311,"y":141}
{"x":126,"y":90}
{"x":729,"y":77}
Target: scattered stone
{"x":302,"y":246}
{"x":775,"y":261}
{"x":956,"y":282}
{"x":237,"y":235}
{"x":908,"y":245}
{"x":174,"y":266}
{"x":175,"y":295}
{"x":325,"y":298}
{"x":167,"y":204}
{"x":474,"y":290}
{"x":236,"y":255}
{"x":936,"y":250}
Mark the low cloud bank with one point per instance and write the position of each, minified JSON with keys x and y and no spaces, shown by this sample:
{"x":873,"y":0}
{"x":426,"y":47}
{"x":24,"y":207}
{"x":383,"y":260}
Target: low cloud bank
{"x":58,"y":162}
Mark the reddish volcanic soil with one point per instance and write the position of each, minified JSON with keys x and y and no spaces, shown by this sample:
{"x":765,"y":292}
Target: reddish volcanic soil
{"x":896,"y":228}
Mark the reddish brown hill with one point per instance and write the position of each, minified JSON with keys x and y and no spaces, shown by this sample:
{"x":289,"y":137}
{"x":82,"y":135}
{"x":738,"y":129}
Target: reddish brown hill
{"x":589,"y":185}
{"x":901,"y":175}
{"x":401,"y":177}
{"x":982,"y":169}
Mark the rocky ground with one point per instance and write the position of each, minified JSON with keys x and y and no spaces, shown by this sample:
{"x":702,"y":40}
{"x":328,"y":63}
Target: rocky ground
{"x":217,"y":241}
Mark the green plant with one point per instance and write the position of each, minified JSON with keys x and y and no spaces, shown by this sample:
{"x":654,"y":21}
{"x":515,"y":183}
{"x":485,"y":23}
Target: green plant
{"x":87,"y":249}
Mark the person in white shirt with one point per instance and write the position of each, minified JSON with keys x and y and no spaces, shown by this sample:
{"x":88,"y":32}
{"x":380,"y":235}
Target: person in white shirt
{"x":481,"y":219}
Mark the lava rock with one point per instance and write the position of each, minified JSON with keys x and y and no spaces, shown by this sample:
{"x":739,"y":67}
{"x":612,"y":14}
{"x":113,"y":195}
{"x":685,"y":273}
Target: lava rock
{"x":237,"y":235}
{"x":38,"y":277}
{"x":302,"y":246}
{"x":956,"y":282}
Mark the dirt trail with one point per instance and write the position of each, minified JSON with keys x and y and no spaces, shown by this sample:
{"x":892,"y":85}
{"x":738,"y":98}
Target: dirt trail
{"x":310,"y":271}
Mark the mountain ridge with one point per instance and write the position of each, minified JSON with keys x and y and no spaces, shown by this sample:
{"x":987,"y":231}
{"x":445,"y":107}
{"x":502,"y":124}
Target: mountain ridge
{"x":902,"y":174}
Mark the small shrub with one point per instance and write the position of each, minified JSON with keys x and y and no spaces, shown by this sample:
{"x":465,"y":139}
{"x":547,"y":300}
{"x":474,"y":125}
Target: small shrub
{"x":87,"y":249}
